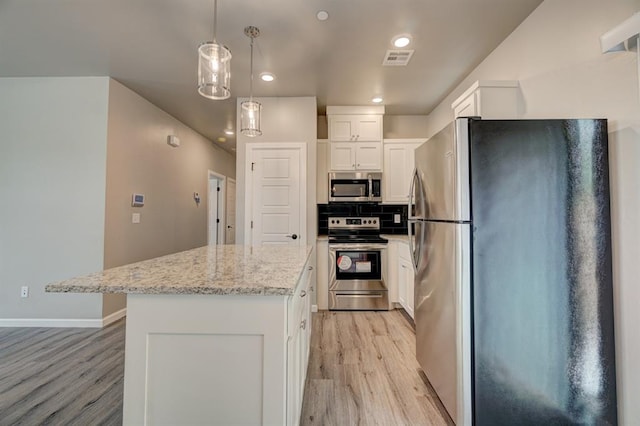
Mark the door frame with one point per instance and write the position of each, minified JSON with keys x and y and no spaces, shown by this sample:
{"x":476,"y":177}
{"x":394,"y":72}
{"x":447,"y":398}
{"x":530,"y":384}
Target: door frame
{"x":220,"y":182}
{"x":226,"y":211}
{"x":248,"y":195}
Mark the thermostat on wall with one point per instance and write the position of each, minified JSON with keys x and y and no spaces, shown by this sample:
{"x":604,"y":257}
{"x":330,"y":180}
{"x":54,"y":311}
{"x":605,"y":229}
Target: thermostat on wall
{"x":137,"y":200}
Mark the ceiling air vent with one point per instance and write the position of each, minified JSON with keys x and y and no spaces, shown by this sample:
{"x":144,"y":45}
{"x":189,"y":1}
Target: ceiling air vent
{"x":397,"y":57}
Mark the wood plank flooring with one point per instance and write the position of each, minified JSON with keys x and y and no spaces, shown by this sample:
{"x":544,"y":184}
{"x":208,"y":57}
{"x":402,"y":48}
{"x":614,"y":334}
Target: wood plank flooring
{"x":362,"y":371}
{"x":61,"y":376}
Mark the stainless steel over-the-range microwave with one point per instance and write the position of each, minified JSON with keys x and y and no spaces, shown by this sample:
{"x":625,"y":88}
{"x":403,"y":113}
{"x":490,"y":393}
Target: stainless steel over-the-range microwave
{"x":355,"y":187}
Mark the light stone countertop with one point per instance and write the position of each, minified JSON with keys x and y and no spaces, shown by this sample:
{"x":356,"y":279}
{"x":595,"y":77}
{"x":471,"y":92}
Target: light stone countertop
{"x":222,"y":270}
{"x":391,"y":237}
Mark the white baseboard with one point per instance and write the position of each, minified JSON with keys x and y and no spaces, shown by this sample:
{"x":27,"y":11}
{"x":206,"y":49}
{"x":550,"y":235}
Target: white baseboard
{"x":61,"y":322}
{"x":314,"y":308}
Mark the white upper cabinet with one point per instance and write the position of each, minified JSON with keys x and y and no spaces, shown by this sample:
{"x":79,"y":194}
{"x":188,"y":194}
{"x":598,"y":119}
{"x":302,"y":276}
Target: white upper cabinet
{"x":488,"y":99}
{"x":399,"y":159}
{"x":355,"y":137}
{"x":355,"y":128}
{"x":356,"y":156}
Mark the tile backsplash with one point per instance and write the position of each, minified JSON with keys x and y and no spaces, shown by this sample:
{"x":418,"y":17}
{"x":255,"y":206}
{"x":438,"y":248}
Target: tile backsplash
{"x":384,"y":211}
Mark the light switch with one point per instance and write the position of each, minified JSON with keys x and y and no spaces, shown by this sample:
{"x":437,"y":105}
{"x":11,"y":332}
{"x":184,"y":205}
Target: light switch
{"x":396,"y":218}
{"x":135,"y":218}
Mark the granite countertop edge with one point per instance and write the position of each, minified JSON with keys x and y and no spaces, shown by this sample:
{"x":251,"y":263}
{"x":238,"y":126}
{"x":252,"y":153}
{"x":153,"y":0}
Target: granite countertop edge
{"x":275,"y":275}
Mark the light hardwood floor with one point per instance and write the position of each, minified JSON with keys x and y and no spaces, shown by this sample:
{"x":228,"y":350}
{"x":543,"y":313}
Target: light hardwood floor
{"x":362,"y":371}
{"x":61,"y":376}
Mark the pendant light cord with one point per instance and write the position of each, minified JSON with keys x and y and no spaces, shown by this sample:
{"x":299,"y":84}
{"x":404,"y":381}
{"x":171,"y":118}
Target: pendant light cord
{"x":251,"y":67}
{"x":215,"y":18}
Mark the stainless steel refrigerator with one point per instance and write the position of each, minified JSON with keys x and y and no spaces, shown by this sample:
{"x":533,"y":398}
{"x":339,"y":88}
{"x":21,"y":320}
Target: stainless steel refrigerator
{"x":510,"y":233}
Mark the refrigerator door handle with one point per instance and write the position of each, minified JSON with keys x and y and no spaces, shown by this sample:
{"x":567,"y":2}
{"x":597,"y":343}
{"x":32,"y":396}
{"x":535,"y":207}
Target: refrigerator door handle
{"x":412,"y":245}
{"x":411,"y":188}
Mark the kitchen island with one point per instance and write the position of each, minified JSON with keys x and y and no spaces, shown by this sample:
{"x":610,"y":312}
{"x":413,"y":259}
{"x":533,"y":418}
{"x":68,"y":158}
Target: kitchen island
{"x":214,"y":335}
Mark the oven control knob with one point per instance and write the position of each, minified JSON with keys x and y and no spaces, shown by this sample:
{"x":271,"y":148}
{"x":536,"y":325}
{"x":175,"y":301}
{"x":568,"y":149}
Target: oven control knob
{"x":337,"y":221}
{"x":374,"y":221}
{"x":369,"y":222}
{"x":333,"y":221}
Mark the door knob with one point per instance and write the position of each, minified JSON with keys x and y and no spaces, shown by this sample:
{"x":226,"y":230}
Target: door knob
{"x":293,"y":236}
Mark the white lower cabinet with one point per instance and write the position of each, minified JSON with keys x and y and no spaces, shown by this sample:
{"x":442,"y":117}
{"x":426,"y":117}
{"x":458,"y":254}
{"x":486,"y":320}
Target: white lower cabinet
{"x":322,"y":274}
{"x":298,"y":345}
{"x":403,"y":274}
{"x":203,"y":359}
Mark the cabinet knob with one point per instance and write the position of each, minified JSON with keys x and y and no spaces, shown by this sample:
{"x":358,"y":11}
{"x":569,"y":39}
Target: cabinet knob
{"x":311,"y":268}
{"x":303,"y":324}
{"x":303,"y":293}
{"x":358,"y":164}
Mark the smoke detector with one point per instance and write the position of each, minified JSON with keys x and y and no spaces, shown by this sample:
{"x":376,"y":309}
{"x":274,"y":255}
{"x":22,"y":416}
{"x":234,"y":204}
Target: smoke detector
{"x":397,"y":57}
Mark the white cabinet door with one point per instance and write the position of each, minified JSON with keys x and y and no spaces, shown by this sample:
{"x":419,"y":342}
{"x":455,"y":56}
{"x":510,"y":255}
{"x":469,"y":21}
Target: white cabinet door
{"x":368,"y":156}
{"x":396,"y":163}
{"x":489,"y":99}
{"x":343,"y":156}
{"x":405,"y":279}
{"x":341,"y":128}
{"x":322,"y":173}
{"x":368,"y":128}
{"x":467,"y":107}
{"x":362,"y":128}
{"x":399,"y":162}
{"x":406,"y":273}
{"x":322,"y":275}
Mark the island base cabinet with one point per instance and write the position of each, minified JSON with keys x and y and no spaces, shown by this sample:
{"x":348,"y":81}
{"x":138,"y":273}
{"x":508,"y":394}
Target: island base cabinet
{"x":209,"y":359}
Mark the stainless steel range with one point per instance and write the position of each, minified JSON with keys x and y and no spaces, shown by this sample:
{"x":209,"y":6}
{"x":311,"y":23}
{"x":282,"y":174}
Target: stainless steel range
{"x":357,"y":264}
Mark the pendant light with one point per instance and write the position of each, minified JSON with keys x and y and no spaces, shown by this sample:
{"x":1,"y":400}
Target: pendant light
{"x":250,"y":111}
{"x":214,"y":66}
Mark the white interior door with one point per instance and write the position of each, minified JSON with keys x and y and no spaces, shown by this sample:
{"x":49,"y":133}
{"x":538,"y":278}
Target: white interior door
{"x":278,"y":195}
{"x":230,"y":230}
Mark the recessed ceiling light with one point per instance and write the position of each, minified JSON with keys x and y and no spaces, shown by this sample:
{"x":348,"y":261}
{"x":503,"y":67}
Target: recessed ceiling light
{"x":228,"y":132}
{"x":401,"y":40}
{"x":222,"y":140}
{"x":267,"y":76}
{"x":322,"y":15}
{"x":376,"y":99}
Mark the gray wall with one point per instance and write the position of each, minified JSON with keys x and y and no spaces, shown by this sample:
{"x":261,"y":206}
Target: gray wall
{"x":72,"y":153}
{"x":283,"y":120}
{"x":52,"y":192}
{"x":555,"y":54}
{"x":393,"y":126}
{"x":140,"y":160}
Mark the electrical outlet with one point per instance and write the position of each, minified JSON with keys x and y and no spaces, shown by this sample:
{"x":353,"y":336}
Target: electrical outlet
{"x":135,"y":218}
{"x":24,"y":291}
{"x":396,"y":218}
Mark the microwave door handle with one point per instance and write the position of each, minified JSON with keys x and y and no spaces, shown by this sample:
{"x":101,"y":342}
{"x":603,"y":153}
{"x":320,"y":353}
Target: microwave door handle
{"x":370,"y":188}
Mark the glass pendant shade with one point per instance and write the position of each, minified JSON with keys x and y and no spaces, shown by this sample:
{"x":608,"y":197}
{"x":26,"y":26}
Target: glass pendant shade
{"x":250,"y":112}
{"x":214,"y":71}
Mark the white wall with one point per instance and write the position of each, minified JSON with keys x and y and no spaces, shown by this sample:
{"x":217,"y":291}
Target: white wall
{"x":555,"y":54}
{"x":52,"y":192}
{"x":283,"y":120}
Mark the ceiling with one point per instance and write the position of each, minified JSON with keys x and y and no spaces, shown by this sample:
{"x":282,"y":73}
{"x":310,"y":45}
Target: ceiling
{"x":151,"y":47}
